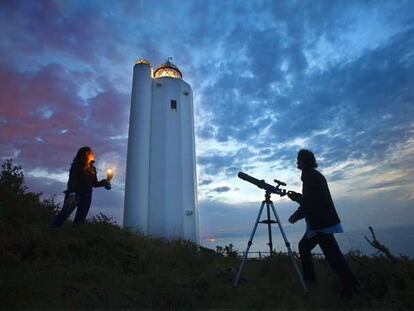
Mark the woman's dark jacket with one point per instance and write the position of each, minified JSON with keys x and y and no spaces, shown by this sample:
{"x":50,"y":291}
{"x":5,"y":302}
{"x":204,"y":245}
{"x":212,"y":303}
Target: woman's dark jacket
{"x":82,"y":179}
{"x":317,"y":206}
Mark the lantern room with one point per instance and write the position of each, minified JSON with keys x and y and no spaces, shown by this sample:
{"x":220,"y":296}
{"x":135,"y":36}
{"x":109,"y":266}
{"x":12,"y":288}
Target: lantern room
{"x":168,"y":69}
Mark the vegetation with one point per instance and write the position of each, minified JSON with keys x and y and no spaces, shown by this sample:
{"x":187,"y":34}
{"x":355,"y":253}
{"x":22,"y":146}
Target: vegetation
{"x":100,"y":265}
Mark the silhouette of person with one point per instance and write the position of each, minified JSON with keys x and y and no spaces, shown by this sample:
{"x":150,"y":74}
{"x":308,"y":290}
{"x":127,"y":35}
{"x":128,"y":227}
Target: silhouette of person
{"x":322,"y":221}
{"x":82,"y":177}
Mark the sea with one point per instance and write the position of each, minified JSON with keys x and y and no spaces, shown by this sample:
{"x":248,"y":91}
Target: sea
{"x":399,"y":240}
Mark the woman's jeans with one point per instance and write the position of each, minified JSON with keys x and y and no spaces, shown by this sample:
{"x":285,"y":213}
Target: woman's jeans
{"x":83,"y":203}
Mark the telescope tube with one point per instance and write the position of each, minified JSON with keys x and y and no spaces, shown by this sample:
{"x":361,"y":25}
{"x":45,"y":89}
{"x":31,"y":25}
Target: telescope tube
{"x":260,"y":183}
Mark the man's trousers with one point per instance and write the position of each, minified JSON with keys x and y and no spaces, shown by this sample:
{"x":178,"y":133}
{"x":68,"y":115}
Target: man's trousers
{"x":333,"y":255}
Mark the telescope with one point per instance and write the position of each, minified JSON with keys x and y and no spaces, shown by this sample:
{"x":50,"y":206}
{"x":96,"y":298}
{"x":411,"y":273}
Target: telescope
{"x":264,"y":185}
{"x":270,"y":208}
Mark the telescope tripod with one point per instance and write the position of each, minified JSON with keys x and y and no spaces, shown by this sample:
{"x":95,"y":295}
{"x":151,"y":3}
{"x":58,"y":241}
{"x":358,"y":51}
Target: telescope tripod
{"x":269,"y":222}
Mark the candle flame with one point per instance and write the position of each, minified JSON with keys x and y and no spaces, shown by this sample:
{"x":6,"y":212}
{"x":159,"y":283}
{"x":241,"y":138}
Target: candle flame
{"x":109,"y":173}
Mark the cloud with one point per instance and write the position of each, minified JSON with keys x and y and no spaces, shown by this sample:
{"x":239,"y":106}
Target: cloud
{"x":220,"y":189}
{"x":339,"y":113}
{"x":75,"y":31}
{"x":269,"y":78}
{"x":205,"y":182}
{"x":43,"y":111}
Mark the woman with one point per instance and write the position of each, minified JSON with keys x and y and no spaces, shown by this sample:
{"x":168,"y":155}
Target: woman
{"x":82,"y":177}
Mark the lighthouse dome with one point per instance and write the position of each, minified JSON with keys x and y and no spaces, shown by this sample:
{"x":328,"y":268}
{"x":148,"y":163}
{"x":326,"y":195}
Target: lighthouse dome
{"x":168,"y":69}
{"x":142,"y":62}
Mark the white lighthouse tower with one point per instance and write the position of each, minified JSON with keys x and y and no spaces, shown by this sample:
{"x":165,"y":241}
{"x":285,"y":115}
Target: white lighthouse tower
{"x":160,"y":188}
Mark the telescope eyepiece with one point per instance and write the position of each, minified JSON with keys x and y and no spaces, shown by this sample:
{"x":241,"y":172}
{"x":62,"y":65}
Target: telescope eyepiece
{"x":280,"y":183}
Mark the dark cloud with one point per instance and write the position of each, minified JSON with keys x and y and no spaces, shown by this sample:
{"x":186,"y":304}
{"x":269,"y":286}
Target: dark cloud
{"x":357,"y":101}
{"x":109,"y":113}
{"x":74,"y":31}
{"x":43,"y":112}
{"x":270,"y":77}
{"x":367,"y":121}
{"x":38,"y":106}
{"x":205,"y":182}
{"x":221,"y":189}
{"x":214,"y":164}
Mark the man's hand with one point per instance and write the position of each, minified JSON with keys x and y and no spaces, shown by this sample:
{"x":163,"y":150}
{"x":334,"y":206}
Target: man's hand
{"x":292,"y":219}
{"x":294,"y":196}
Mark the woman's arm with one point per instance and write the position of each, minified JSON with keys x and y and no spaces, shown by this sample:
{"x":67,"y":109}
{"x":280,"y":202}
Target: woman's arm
{"x":96,"y":183}
{"x":74,"y":182}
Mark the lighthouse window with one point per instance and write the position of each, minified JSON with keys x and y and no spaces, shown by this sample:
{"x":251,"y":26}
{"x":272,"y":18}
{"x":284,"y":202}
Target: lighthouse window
{"x":167,"y":72}
{"x":173,"y":104}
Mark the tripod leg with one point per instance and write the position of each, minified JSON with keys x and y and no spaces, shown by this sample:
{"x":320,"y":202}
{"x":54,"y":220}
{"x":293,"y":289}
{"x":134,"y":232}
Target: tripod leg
{"x":292,"y":257}
{"x":269,"y":228}
{"x":236,"y":281}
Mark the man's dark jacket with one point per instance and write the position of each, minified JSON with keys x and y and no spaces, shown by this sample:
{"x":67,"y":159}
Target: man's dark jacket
{"x":82,"y":179}
{"x":316,"y":205}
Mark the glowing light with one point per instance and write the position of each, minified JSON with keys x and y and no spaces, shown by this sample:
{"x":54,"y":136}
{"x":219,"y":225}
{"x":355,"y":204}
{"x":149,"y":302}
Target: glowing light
{"x":143,"y":61}
{"x":167,"y":72}
{"x":168,"y":69}
{"x":109,"y":173}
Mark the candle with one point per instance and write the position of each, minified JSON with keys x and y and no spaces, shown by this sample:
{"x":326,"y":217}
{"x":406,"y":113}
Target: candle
{"x":109,"y":174}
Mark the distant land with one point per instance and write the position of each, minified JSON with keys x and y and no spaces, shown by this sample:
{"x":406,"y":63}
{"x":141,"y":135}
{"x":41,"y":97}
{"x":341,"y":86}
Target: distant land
{"x":399,"y":239}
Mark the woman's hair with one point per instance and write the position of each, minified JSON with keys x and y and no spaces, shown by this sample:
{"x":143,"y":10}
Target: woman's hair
{"x":307,"y":158}
{"x":81,"y":157}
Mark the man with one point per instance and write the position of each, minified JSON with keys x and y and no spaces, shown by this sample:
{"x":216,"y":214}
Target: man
{"x":322,"y":221}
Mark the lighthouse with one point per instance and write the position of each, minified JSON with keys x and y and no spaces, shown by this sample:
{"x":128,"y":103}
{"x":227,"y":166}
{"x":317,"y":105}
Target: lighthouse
{"x":160,"y":186}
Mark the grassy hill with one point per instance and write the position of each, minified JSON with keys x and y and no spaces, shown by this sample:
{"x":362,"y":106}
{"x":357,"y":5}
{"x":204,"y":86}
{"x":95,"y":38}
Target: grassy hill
{"x":99,"y":265}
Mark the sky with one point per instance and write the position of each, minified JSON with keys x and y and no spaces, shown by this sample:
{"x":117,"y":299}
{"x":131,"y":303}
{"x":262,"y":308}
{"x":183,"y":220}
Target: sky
{"x":268,"y":77}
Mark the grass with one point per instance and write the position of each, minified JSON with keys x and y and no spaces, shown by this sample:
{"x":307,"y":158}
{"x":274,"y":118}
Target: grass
{"x":100,"y":265}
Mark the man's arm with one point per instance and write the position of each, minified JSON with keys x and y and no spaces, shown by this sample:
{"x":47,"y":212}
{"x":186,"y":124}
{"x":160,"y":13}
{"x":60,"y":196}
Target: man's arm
{"x":297,"y":215}
{"x":295,"y":196}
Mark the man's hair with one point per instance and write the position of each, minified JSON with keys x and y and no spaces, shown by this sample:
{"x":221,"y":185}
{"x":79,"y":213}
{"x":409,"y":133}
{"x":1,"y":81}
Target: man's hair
{"x":307,"y":158}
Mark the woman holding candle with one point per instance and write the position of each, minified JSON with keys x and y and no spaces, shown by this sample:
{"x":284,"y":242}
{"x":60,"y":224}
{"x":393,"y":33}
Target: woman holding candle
{"x":82,"y":178}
